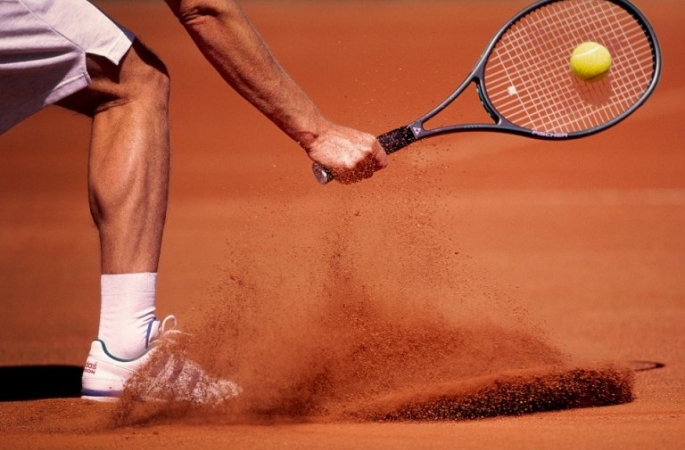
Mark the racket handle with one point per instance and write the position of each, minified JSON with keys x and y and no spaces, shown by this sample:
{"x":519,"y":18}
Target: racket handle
{"x":396,"y":139}
{"x":391,"y":142}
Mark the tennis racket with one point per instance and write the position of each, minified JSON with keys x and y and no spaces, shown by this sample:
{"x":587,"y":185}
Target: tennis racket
{"x":525,"y":83}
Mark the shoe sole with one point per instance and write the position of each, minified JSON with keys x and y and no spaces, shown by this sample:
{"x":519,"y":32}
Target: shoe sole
{"x":100,"y":399}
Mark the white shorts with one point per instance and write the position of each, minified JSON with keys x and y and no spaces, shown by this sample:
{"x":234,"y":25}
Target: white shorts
{"x":43,"y":47}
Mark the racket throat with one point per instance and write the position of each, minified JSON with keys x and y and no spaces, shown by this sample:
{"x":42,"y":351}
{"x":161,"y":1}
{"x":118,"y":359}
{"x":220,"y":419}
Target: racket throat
{"x":495,"y":118}
{"x":449,"y":116}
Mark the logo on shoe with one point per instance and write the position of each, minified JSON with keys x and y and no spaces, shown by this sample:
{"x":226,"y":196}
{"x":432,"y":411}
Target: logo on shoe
{"x":91,"y":367}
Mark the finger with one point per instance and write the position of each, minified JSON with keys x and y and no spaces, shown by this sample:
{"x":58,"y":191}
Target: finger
{"x":363,"y":171}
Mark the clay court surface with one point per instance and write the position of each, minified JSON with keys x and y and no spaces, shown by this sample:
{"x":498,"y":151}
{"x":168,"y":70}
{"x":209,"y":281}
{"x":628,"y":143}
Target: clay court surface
{"x":492,"y":258}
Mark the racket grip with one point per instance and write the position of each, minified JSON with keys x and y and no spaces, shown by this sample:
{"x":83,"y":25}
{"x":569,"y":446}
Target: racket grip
{"x":391,"y":142}
{"x":396,"y":139}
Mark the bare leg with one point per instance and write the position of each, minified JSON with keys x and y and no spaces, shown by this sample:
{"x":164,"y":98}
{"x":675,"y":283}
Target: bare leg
{"x":129,"y":158}
{"x":128,"y":186}
{"x":128,"y":180}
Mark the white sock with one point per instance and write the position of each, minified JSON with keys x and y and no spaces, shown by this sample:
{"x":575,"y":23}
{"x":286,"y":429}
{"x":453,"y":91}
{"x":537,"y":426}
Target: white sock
{"x":126,"y":310}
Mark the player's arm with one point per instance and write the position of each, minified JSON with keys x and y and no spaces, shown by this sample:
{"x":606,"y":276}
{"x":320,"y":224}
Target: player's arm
{"x":229,"y":41}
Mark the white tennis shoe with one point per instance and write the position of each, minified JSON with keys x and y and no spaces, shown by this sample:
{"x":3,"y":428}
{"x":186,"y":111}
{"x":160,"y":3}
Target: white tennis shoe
{"x":166,"y":377}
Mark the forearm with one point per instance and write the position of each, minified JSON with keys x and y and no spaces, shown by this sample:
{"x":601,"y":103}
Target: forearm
{"x":230,"y":43}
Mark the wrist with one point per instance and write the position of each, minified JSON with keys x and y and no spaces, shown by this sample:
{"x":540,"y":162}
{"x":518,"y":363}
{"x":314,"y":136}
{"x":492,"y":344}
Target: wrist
{"x":311,"y":132}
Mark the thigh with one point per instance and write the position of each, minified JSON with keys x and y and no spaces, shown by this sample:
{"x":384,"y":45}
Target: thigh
{"x":45,"y":46}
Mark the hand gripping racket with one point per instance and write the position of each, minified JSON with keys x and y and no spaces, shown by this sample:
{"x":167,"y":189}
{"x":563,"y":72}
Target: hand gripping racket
{"x":525,"y":83}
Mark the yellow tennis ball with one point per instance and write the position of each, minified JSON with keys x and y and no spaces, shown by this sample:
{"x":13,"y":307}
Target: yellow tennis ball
{"x":590,"y":61}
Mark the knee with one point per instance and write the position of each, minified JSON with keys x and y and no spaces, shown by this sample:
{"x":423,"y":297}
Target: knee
{"x":141,"y":79}
{"x":144,"y":78}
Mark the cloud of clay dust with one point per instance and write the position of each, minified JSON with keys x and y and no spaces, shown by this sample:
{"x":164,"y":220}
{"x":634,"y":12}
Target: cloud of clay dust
{"x":369,"y":311}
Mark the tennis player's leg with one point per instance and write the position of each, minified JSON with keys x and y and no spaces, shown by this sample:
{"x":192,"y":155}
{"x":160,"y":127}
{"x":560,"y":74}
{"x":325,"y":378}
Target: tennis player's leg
{"x":128,"y":183}
{"x":128,"y":187}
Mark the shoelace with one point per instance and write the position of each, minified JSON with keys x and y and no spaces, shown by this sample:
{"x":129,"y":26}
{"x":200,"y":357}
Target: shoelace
{"x":165,"y":327}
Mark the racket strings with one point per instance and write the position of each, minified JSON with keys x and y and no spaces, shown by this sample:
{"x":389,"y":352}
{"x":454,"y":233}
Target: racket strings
{"x":529,"y":81}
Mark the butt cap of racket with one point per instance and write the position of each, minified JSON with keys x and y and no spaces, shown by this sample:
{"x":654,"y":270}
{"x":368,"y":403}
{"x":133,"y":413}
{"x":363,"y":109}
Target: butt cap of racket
{"x":322,"y":175}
